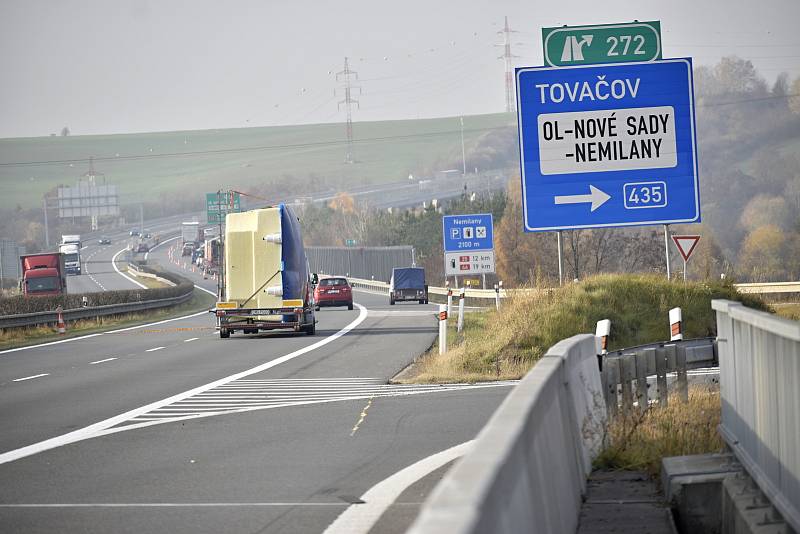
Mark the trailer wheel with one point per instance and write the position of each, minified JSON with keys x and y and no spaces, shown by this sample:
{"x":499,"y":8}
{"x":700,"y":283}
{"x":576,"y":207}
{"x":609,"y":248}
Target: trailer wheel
{"x":316,"y":308}
{"x":391,"y":301}
{"x":349,"y":306}
{"x":311,"y":329}
{"x":224,"y":333}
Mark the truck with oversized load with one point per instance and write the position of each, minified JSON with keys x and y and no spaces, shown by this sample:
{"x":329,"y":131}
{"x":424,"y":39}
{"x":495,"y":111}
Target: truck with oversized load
{"x":408,"y":283}
{"x":72,"y":257}
{"x":267,"y":283}
{"x":43,"y":274}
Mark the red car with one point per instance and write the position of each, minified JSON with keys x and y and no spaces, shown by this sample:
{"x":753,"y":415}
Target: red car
{"x":333,"y":292}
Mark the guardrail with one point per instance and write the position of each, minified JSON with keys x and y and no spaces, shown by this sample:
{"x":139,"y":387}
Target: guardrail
{"x":625,"y":371}
{"x":759,"y":356}
{"x":528,"y":467}
{"x":383,"y":287}
{"x":51,"y":317}
{"x":34,"y":319}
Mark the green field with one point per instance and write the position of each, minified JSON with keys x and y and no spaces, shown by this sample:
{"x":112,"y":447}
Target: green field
{"x":148,"y":165}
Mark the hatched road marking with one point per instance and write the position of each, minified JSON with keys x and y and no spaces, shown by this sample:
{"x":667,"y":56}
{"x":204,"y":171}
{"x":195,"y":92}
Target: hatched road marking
{"x":248,"y":395}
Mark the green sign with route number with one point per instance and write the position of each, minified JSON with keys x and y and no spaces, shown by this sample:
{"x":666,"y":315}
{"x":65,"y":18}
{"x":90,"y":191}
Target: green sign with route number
{"x":602,"y":43}
{"x":218,"y":205}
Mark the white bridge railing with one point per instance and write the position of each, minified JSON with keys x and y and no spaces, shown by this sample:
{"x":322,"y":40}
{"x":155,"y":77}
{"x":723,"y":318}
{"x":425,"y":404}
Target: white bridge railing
{"x":759,"y":360}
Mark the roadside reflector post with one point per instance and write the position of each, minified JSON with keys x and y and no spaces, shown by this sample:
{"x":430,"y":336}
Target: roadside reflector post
{"x":61,"y":326}
{"x":602,"y":331}
{"x":460,"y":326}
{"x":497,"y":287}
{"x":442,"y":328}
{"x":675,"y":324}
{"x":449,"y":296}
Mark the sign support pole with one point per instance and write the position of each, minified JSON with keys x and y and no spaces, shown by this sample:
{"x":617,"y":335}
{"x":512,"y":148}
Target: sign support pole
{"x":221,"y":268}
{"x":666,"y":247}
{"x":684,"y":271}
{"x":560,"y":260}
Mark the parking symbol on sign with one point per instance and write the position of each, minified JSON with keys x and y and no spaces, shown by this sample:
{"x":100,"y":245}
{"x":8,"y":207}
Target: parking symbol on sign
{"x":455,"y":233}
{"x":467,"y":232}
{"x":480,"y":232}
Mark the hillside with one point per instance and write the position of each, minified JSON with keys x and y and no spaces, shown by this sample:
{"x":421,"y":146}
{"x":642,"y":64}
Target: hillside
{"x":148,"y":165}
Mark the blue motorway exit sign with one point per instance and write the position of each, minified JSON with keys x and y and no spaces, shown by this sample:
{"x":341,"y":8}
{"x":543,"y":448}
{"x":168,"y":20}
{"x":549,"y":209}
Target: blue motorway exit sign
{"x":607,"y":145}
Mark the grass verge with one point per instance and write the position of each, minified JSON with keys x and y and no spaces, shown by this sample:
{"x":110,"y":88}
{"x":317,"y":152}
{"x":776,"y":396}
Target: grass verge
{"x":638,"y":441}
{"x":20,"y":337}
{"x":788,"y":310}
{"x":506,"y":344}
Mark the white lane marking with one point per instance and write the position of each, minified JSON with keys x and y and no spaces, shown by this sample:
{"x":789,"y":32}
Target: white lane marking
{"x":128,"y":329}
{"x":191,"y":339}
{"x":362,"y":517}
{"x":102,"y":427}
{"x":167,"y":504}
{"x":123,"y":275}
{"x":102,"y":361}
{"x":212,"y":293}
{"x":103,"y":333}
{"x":31,"y":377}
{"x":154,"y":349}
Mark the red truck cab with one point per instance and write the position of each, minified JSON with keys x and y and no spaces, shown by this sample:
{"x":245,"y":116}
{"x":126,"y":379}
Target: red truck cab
{"x":43,"y":274}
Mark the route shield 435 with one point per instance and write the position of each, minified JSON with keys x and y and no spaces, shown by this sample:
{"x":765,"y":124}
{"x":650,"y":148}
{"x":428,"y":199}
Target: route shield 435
{"x":607,"y":145}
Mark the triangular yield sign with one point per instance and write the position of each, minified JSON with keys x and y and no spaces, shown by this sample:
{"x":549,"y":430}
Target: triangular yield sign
{"x":686,"y":244}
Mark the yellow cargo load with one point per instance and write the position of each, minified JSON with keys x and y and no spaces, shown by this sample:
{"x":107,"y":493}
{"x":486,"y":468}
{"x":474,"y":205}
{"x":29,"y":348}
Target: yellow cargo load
{"x":252,"y":258}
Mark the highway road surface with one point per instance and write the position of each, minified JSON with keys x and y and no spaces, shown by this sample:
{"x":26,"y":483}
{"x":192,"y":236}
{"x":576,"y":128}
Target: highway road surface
{"x":168,"y":428}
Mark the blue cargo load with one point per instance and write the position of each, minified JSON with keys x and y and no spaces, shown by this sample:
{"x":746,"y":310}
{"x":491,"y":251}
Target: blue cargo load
{"x":408,"y":278}
{"x":293,"y":256}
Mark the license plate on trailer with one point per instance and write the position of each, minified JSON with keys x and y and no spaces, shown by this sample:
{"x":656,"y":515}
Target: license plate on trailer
{"x":261,"y":312}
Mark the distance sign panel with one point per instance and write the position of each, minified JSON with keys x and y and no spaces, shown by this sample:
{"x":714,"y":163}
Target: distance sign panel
{"x":468,"y":232}
{"x":466,"y":263}
{"x":607,"y":145}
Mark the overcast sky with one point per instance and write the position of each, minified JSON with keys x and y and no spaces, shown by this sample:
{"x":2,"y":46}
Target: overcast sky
{"x":118,"y":66}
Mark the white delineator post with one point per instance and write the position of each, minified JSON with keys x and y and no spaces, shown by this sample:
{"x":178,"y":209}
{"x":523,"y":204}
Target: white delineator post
{"x":675,"y":324}
{"x":449,"y":297}
{"x":442,"y":317}
{"x":497,"y":296}
{"x":602,"y":331}
{"x":460,"y":311}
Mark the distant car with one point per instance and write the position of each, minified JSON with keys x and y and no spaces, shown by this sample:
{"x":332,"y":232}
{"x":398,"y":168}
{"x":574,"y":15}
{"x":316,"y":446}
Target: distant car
{"x":134,"y":232}
{"x":148,"y":235}
{"x":334,"y":291}
{"x":104,"y":241}
{"x":142,"y":247}
{"x":187,"y":249}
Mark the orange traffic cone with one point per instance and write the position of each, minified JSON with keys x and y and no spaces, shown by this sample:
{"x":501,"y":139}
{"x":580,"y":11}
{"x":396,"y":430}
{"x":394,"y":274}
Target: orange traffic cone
{"x":61,"y":326}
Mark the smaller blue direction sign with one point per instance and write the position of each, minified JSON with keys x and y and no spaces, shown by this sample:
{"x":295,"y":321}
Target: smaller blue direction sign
{"x":468,"y":244}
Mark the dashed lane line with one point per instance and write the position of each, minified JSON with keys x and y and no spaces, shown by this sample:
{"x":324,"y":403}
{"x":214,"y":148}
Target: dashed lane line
{"x":154,"y":349}
{"x":102,"y":361}
{"x":30,"y":377}
{"x":191,"y":339}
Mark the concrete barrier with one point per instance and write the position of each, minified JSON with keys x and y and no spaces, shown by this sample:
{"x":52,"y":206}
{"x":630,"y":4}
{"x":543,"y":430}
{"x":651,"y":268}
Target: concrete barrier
{"x":528,"y":468}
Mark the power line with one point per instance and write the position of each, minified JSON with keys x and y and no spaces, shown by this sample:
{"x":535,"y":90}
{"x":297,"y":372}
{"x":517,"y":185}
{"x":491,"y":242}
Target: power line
{"x":318,"y":144}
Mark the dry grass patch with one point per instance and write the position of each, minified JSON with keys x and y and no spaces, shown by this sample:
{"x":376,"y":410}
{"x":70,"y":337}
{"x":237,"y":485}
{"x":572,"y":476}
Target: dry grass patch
{"x":506,"y":344}
{"x":640,"y":440}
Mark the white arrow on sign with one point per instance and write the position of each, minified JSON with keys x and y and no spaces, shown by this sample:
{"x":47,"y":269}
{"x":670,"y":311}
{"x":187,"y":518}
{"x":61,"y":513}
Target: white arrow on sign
{"x":596,"y":197}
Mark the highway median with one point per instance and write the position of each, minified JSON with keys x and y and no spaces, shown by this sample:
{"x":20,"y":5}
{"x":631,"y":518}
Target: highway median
{"x":98,"y":313}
